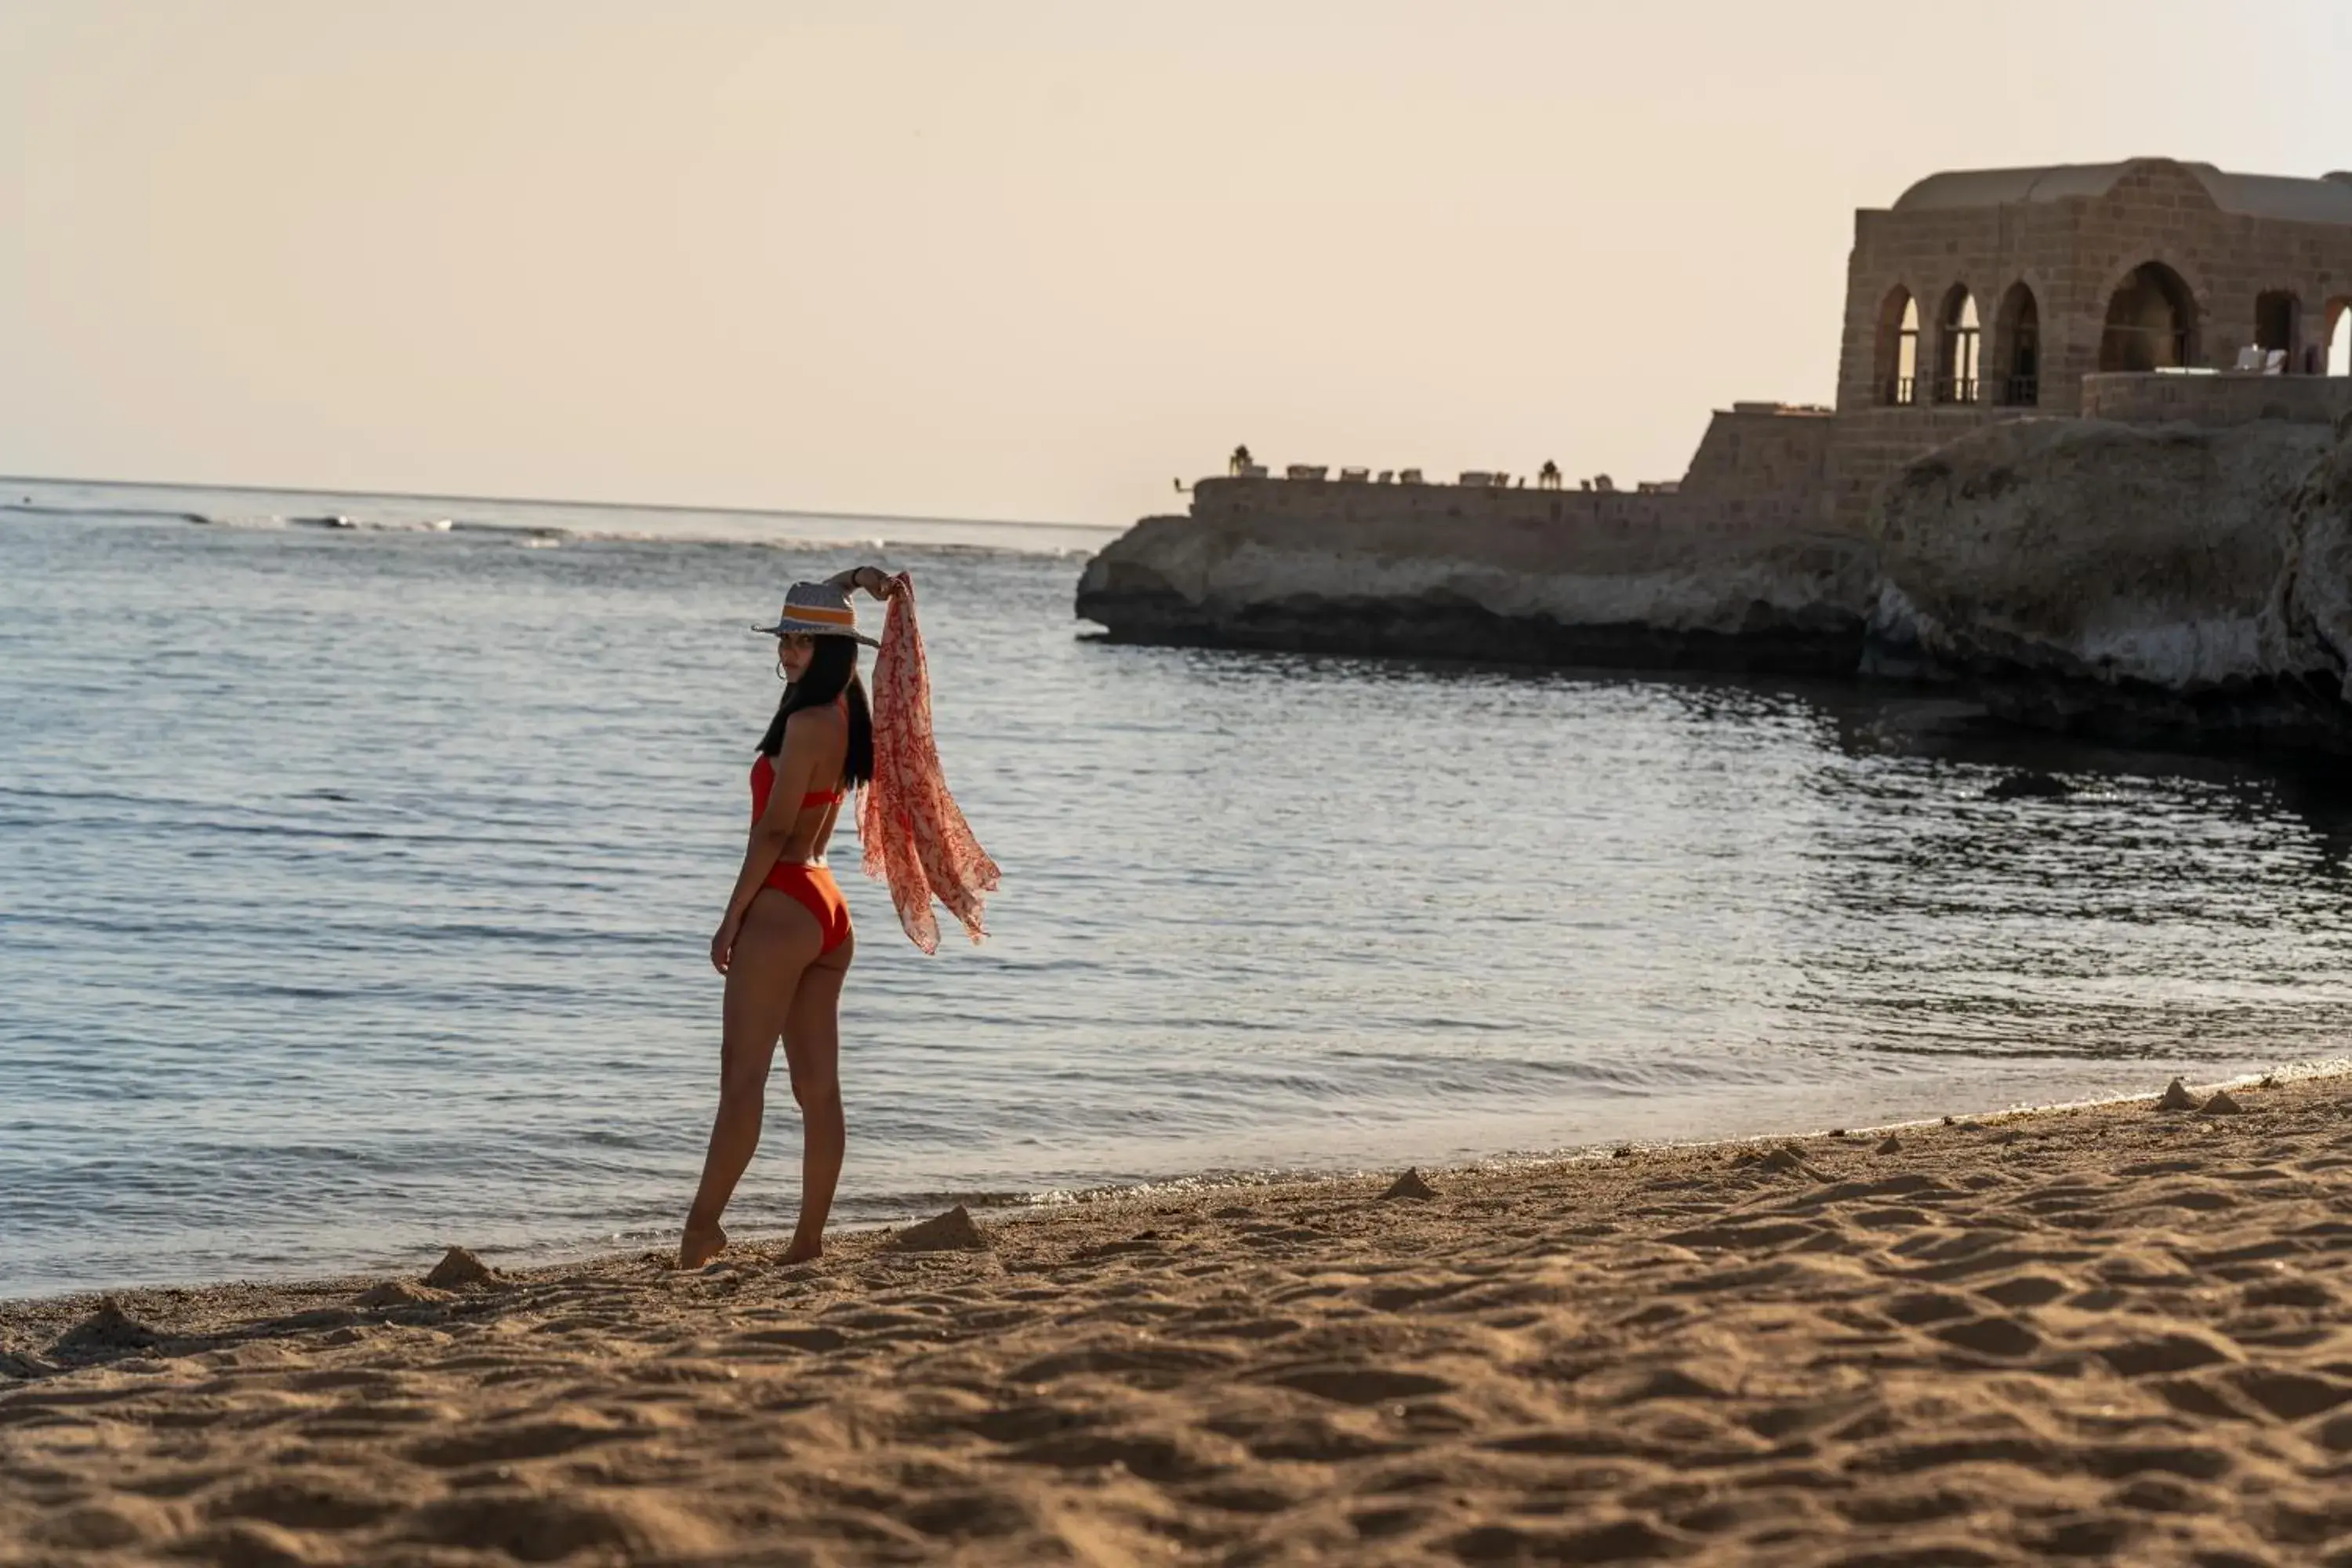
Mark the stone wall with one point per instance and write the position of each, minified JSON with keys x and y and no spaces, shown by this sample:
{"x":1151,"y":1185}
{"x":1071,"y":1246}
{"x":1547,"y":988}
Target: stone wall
{"x":1433,"y":514}
{"x":1871,"y":444}
{"x":1759,"y":468}
{"x":1759,"y":465}
{"x":2216,"y":401}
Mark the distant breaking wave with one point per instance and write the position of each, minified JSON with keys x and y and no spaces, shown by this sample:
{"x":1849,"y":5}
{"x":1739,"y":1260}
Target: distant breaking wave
{"x":543,"y":535}
{"x":1033,"y":539}
{"x":375,"y":525}
{"x":36,"y":509}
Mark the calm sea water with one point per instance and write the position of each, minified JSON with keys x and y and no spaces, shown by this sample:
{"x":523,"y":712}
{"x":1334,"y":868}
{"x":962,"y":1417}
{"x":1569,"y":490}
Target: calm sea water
{"x":355,"y":885}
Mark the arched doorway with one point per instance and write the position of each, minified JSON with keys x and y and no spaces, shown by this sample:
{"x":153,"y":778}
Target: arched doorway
{"x":2277,"y":314}
{"x":2151,"y":321}
{"x":1956,"y":348}
{"x":1895,"y":358}
{"x":2017,"y":345}
{"x":2339,"y":337}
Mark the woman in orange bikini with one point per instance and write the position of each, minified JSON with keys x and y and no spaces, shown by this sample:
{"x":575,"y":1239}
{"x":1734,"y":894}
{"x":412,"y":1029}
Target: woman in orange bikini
{"x":785,"y":944}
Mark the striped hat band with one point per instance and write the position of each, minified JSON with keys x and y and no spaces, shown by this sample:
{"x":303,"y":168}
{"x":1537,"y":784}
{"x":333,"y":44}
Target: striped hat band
{"x":817,"y":609}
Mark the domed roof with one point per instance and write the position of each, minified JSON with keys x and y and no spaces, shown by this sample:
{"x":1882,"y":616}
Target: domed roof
{"x":2005,"y":187}
{"x":2252,"y":195}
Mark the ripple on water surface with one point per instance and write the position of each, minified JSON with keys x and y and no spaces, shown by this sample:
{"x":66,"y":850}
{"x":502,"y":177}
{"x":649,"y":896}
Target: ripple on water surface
{"x":355,"y":886}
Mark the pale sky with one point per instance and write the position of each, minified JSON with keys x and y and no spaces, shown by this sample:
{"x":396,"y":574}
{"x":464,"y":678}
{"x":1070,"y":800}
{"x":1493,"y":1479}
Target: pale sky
{"x":987,"y":258}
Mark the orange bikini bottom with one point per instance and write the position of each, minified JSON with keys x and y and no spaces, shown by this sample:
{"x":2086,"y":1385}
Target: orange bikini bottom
{"x":814,"y":889}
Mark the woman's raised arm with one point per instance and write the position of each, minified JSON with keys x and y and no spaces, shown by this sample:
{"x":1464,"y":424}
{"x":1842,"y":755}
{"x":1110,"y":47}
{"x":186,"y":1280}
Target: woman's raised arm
{"x":872,"y":579}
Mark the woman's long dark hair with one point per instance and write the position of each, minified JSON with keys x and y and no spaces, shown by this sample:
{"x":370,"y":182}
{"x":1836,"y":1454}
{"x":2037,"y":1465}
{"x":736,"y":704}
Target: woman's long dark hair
{"x":832,"y":671}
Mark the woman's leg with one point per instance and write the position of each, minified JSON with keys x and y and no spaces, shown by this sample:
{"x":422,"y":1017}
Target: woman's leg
{"x":778,"y":940}
{"x":813,"y":1054}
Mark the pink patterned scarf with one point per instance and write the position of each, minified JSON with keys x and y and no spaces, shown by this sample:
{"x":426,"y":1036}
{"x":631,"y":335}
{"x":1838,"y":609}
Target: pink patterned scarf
{"x":915,"y":837}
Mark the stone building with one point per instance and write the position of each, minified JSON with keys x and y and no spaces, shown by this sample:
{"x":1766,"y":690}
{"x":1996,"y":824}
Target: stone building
{"x":1990,"y":294}
{"x":2120,"y":290}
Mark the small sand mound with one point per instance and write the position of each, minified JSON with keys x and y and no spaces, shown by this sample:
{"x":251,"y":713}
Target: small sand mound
{"x":2175,"y":1097}
{"x":1409,"y":1186}
{"x":107,"y":1329}
{"x":950,"y":1232}
{"x":401,"y":1293}
{"x":1890,"y":1144}
{"x":460,"y":1269}
{"x":1787,"y":1159}
{"x":2220,"y":1105}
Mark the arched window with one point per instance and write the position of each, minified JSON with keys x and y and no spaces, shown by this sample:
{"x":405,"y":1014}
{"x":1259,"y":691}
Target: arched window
{"x":2276,"y":315}
{"x":1956,"y":362}
{"x":1895,"y":366}
{"x":2017,"y":340}
{"x":2151,"y":321}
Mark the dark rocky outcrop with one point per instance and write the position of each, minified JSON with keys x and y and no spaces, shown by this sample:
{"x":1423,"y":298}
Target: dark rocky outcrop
{"x":2307,"y":624}
{"x":2135,"y":582}
{"x":1640,"y":597}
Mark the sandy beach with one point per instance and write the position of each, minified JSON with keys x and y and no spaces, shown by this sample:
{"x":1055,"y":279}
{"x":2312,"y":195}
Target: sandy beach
{"x":2113,"y":1333}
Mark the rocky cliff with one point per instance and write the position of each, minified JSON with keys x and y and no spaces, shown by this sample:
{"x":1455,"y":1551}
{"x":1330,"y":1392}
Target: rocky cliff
{"x":2307,"y":624}
{"x":1607,"y":580}
{"x":2157,"y":583}
{"x":2144,"y":582}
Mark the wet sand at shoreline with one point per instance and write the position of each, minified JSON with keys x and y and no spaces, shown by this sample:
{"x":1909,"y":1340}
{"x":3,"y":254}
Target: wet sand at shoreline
{"x":2104,"y":1333}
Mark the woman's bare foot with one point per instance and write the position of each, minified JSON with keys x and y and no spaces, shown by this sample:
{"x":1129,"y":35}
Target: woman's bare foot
{"x":698,"y":1247}
{"x":802,"y":1252}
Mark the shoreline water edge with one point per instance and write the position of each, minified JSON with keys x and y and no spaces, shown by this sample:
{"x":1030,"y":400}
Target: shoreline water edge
{"x":994,"y":1209}
{"x":2114,"y":1330}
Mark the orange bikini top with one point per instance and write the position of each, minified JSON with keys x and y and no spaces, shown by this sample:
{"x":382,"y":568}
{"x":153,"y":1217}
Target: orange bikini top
{"x":763,"y":781}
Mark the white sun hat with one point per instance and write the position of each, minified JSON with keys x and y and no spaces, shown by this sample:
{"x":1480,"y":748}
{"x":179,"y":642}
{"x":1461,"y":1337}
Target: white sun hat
{"x":817,"y":609}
